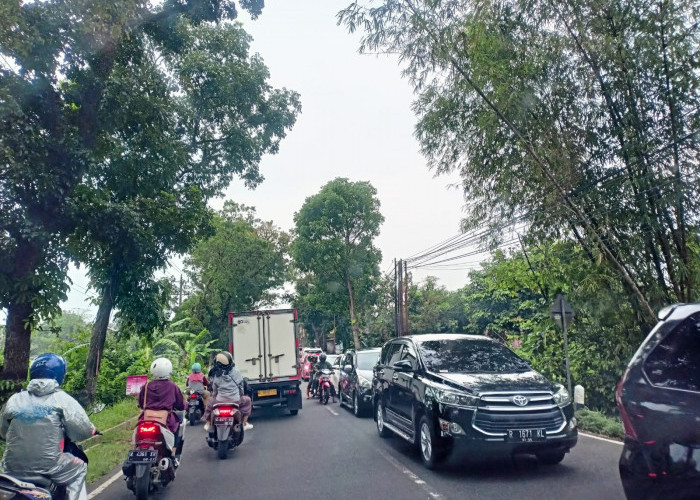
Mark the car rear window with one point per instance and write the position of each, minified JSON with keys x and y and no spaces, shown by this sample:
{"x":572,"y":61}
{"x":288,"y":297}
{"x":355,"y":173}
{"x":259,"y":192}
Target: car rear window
{"x":675,"y":362}
{"x":367,"y":360}
{"x":469,"y":356}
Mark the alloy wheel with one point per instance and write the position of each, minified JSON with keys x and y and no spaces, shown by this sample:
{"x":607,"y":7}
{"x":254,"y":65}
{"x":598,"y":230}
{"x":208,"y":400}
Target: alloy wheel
{"x":426,"y":445}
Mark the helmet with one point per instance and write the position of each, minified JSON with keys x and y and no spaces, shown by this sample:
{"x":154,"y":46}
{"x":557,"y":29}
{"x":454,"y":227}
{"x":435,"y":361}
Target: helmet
{"x":196,"y":368}
{"x":313,"y":358}
{"x":322,"y":357}
{"x":161,"y":369}
{"x":48,"y":365}
{"x":224,"y":361}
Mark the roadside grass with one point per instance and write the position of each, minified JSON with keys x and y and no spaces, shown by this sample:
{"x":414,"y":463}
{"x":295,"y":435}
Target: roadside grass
{"x":598,"y":423}
{"x":107,"y":451}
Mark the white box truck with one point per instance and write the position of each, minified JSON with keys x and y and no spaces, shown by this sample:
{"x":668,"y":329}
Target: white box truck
{"x":264,"y":347}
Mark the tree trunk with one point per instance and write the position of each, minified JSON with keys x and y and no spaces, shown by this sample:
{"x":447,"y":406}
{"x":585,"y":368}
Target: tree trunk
{"x":353,"y":320}
{"x":97,"y":341}
{"x":17,"y":341}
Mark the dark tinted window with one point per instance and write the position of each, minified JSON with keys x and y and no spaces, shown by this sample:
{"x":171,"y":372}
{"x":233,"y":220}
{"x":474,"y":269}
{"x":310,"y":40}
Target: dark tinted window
{"x":394,"y":353}
{"x":469,"y":356}
{"x":409,"y":354}
{"x":367,"y":360}
{"x":675,"y":362}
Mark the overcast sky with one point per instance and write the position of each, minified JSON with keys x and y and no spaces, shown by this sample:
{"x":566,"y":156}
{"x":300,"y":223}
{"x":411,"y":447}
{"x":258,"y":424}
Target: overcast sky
{"x":356,"y":122}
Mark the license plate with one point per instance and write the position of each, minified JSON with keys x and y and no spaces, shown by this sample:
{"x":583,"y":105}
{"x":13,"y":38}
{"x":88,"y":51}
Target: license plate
{"x":223,"y":420}
{"x":526,"y":435}
{"x":143,"y":456}
{"x":267,"y":392}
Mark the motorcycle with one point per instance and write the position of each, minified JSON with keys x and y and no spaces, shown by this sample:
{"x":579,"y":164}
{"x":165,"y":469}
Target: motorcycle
{"x":150,"y":464}
{"x":195,"y":407}
{"x":324,"y":386}
{"x":35,"y":486}
{"x":226,"y":431}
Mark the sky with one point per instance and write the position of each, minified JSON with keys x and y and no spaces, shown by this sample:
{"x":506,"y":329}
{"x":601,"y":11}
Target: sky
{"x":356,"y":122}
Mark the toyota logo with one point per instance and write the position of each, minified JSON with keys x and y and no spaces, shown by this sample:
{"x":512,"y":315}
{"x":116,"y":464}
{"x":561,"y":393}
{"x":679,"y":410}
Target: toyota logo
{"x":520,"y":400}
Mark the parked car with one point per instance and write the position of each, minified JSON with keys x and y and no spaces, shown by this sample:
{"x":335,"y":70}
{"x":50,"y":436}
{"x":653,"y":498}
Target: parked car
{"x":355,"y":381}
{"x":659,"y":402}
{"x":440,"y":390}
{"x":307,"y":365}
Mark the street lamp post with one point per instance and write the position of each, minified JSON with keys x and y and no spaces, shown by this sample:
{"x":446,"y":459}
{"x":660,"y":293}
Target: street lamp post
{"x":563,"y":314}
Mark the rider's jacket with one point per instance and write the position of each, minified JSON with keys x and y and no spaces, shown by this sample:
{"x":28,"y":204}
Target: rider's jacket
{"x":325,"y":365}
{"x":227,"y":386}
{"x":197,"y":382}
{"x":34,"y":423}
{"x":162,"y":395}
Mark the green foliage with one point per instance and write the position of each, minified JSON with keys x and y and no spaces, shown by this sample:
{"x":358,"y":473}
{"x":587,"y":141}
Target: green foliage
{"x":334,"y":247}
{"x":235,"y":269}
{"x":596,"y":422}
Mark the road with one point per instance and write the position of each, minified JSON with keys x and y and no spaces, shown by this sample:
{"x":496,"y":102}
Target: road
{"x":325,"y":452}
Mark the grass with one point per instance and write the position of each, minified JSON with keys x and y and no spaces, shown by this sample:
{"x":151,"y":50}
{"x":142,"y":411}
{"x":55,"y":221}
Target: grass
{"x":598,"y":423}
{"x":107,"y":451}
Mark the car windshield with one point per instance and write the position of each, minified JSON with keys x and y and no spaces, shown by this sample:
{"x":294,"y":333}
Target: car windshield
{"x":470,"y":356}
{"x":367,"y":360}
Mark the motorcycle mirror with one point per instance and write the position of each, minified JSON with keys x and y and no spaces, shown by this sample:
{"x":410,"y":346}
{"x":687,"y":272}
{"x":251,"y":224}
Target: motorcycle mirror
{"x":347,"y":368}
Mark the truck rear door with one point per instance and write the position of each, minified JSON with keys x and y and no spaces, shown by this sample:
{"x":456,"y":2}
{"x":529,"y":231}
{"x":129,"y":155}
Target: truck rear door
{"x":280,"y":341}
{"x":247,"y":345}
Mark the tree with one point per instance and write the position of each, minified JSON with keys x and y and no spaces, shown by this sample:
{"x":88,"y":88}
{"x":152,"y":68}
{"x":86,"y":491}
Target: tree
{"x":115,"y":120}
{"x":235,"y":269}
{"x":335,"y":230}
{"x":576,"y":119}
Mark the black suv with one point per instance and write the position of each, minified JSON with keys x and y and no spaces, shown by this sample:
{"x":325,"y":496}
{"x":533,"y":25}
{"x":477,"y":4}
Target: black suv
{"x":436,"y":390}
{"x":659,"y":402}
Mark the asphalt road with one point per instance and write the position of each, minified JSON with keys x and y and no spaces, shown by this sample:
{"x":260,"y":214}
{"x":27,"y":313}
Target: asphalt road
{"x":325,"y":452}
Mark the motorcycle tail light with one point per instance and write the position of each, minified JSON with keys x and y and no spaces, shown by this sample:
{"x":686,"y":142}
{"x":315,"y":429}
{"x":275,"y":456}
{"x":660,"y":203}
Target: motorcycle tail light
{"x":147,"y":431}
{"x":193,"y":396}
{"x":225,"y":411}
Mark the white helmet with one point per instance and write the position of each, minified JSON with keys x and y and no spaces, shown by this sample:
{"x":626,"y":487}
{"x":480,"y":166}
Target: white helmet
{"x":161,"y":369}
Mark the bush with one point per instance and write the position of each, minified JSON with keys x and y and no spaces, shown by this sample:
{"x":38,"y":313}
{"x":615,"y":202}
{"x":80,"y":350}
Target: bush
{"x":597,"y":423}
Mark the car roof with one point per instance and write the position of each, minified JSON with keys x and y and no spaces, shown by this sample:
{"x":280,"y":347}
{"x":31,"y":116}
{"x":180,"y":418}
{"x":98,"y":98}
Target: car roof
{"x":427,"y":337}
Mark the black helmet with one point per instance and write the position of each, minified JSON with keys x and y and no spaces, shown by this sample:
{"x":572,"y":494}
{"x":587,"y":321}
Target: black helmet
{"x":322,"y":357}
{"x":224,"y":361}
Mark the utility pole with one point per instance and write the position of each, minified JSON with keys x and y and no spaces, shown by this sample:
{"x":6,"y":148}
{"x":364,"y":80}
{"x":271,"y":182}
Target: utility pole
{"x":406,"y":328}
{"x":396,"y":298}
{"x":399,"y":294}
{"x":179,"y":300}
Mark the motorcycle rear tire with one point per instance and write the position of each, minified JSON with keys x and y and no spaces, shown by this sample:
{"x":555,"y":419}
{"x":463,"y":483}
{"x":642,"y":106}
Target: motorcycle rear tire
{"x":222,"y":450}
{"x":193,"y":418}
{"x":142,"y":485}
{"x":325,"y":394}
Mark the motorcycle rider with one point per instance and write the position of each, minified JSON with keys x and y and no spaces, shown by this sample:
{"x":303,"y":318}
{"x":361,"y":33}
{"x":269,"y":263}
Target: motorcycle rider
{"x":312,"y":361}
{"x":158,"y":398}
{"x":196,"y":382}
{"x":228,"y":386}
{"x":323,"y":364}
{"x":35,"y":422}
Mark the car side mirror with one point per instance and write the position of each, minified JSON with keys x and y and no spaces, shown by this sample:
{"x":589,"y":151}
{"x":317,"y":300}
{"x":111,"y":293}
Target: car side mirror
{"x":347,"y":368}
{"x":403,"y":366}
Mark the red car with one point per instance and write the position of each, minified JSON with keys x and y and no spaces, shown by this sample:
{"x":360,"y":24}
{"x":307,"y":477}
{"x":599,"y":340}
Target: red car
{"x":306,"y":365}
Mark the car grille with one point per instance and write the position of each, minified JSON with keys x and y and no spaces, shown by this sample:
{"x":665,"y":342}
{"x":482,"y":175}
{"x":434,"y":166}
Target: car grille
{"x":497,"y":413}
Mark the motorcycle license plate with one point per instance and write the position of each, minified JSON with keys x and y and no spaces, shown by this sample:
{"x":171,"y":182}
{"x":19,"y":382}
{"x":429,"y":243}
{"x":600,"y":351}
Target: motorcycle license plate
{"x":223,"y":420}
{"x":143,"y":456}
{"x":526,"y":435}
{"x":267,"y":392}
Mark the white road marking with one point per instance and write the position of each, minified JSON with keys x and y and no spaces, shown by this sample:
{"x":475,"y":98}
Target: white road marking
{"x":105,"y":485}
{"x":332,"y":411}
{"x":407,"y":472}
{"x":592,"y":436}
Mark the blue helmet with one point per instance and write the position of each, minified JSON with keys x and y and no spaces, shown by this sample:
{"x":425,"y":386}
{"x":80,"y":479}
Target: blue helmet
{"x":48,"y":365}
{"x":196,"y":368}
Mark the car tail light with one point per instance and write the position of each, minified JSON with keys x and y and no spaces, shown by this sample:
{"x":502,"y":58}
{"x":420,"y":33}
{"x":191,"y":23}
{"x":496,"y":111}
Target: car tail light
{"x":147,"y":431}
{"x":289,"y":392}
{"x":225,"y":411}
{"x":626,"y":421}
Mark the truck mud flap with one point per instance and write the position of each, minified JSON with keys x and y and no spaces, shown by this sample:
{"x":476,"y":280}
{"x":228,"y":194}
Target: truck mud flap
{"x":294,"y":402}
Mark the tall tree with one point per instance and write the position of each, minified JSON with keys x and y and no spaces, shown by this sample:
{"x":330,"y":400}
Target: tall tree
{"x":335,"y":231}
{"x":577,"y":119}
{"x":113,"y":117}
{"x":235,"y":269}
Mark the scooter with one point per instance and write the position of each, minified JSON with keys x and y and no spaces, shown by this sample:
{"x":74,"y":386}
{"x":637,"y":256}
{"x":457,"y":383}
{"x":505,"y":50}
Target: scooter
{"x":226,"y":431}
{"x":195,"y":407}
{"x":35,"y":486}
{"x":324,"y":386}
{"x":150,"y":465}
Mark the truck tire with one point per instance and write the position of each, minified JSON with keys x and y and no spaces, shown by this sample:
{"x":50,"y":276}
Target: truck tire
{"x":293,"y":412}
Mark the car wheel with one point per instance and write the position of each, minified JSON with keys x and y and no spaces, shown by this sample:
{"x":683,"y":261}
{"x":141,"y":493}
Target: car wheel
{"x":381,"y":428}
{"x":550,"y":457}
{"x":355,"y":404}
{"x":433,"y":448}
